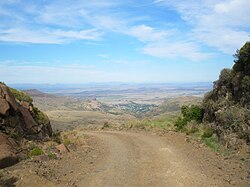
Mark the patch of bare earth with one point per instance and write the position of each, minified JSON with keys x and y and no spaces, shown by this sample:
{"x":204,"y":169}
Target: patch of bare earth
{"x":122,"y":158}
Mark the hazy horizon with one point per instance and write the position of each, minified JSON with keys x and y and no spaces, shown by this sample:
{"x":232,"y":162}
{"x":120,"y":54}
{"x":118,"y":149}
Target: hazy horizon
{"x":118,"y":87}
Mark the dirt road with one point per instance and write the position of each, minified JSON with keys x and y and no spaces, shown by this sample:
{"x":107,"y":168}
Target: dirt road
{"x":121,"y":158}
{"x":134,"y":159}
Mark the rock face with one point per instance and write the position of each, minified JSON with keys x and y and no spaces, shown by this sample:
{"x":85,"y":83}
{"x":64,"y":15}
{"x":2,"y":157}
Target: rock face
{"x":19,"y":119}
{"x":4,"y":109}
{"x":8,"y":155}
{"x":227,"y":106}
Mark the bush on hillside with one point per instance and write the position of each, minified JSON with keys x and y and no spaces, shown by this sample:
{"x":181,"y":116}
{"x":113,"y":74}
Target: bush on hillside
{"x":20,"y":96}
{"x":36,"y":151}
{"x":189,"y":113}
{"x":207,"y":133}
{"x":192,"y":112}
{"x":39,"y":116}
{"x":180,"y":123}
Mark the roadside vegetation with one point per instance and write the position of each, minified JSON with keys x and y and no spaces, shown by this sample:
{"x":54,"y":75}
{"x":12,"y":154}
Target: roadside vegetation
{"x":163,"y":122}
{"x":222,"y":120}
{"x":188,"y":121}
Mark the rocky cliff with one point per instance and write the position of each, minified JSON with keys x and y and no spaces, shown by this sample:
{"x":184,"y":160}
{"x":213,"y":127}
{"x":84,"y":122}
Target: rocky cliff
{"x":227,"y":106}
{"x":19,"y":120}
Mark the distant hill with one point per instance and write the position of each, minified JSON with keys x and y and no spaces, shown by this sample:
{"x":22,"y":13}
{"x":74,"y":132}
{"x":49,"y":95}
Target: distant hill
{"x":37,"y":93}
{"x":227,"y":106}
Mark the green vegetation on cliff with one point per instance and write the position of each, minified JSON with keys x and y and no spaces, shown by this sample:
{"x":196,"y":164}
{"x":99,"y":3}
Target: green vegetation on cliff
{"x":227,"y":106}
{"x":21,"y":96}
{"x":39,"y":116}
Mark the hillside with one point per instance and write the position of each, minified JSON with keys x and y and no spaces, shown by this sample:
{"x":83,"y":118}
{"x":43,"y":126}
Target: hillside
{"x":227,"y":106}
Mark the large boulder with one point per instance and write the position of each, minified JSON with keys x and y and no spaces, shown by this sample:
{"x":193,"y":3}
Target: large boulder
{"x":6,"y":94}
{"x":4,"y":109}
{"x":30,"y":124}
{"x":8,"y":155}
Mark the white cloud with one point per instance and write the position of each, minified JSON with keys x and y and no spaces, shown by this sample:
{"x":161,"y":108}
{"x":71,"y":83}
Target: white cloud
{"x":89,"y":34}
{"x":49,"y":22}
{"x":224,"y":39}
{"x":27,"y":36}
{"x":221,"y":24}
{"x":108,"y":22}
{"x":232,"y":13}
{"x":148,"y":34}
{"x":77,"y":14}
{"x":158,"y":43}
{"x":123,"y":61}
{"x":47,"y":36}
{"x":176,"y":50}
{"x":105,"y":56}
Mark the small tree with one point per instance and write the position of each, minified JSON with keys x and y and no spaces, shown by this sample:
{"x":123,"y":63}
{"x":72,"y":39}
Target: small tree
{"x":189,"y":113}
{"x":192,"y":112}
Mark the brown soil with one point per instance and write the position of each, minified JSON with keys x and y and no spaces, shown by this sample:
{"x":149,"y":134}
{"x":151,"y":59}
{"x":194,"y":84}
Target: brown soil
{"x":122,"y":158}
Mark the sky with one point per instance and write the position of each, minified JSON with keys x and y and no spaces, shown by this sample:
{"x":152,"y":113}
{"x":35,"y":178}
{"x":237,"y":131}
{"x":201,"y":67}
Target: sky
{"x":138,"y":41}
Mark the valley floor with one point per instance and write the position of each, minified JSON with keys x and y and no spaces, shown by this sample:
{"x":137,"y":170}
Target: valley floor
{"x":126,"y":158}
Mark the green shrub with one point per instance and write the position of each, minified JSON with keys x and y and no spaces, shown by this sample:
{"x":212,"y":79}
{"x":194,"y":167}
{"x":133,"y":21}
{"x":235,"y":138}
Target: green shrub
{"x":191,"y":128}
{"x":180,"y":123}
{"x":36,"y":151}
{"x":66,"y":140}
{"x":207,"y":133}
{"x":225,"y":75}
{"x":246,"y":82}
{"x":52,"y":155}
{"x":192,"y":112}
{"x":212,"y":143}
{"x":20,"y":96}
{"x":39,"y":116}
{"x":189,"y":113}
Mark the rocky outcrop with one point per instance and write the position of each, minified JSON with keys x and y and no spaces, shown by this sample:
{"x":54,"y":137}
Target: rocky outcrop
{"x":227,"y":106}
{"x":6,"y":94}
{"x":19,"y":119}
